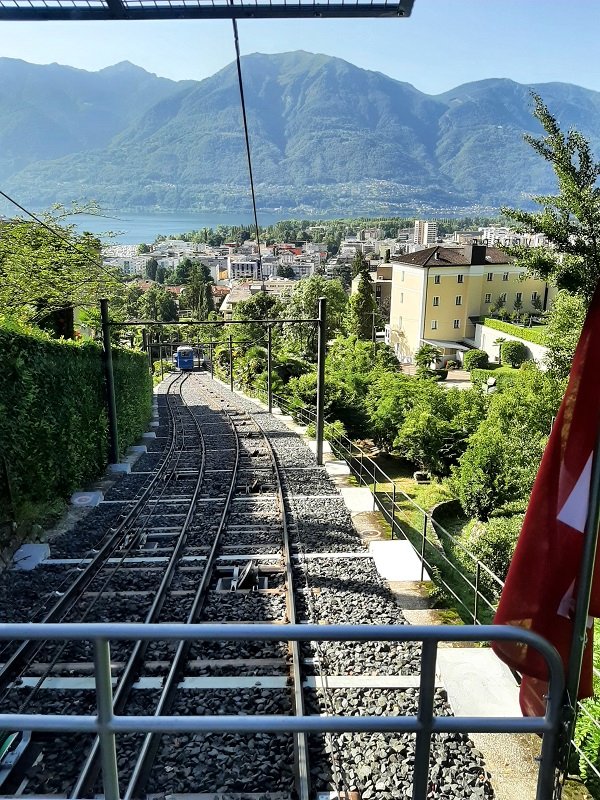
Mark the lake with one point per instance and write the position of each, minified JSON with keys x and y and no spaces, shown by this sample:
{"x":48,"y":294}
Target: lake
{"x":136,"y":228}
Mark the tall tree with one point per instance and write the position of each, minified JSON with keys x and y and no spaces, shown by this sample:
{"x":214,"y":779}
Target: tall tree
{"x":570,"y":220}
{"x":362,"y":308}
{"x":303,"y":303}
{"x":151,"y":268}
{"x":44,"y":269}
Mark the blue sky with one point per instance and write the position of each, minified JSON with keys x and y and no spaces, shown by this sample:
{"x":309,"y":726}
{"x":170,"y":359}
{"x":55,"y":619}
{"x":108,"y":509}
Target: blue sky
{"x":444,"y":43}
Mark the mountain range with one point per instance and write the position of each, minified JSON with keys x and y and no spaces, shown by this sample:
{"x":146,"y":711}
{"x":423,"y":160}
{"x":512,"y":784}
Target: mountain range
{"x":327,"y":138}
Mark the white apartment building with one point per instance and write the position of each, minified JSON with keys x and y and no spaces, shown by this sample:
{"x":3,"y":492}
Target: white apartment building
{"x":242,"y":268}
{"x":426,"y":232}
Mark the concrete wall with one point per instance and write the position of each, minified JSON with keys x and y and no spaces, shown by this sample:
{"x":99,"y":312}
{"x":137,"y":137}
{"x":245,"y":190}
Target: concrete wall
{"x":485,"y":338}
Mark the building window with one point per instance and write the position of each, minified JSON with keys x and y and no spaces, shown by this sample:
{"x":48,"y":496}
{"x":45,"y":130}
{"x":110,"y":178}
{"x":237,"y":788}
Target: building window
{"x":534,"y":296}
{"x":437,"y":278}
{"x":434,"y":324}
{"x":505,"y":276}
{"x":490,"y":275}
{"x":436,"y":301}
{"x":460,"y":278}
{"x":402,"y":275}
{"x":519,"y":297}
{"x":503,"y":297}
{"x":457,"y":323}
{"x":458,"y":300}
{"x":401,"y":297}
{"x":488,"y":298}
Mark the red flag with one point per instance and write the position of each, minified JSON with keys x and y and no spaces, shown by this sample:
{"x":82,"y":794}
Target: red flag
{"x":541,"y":585}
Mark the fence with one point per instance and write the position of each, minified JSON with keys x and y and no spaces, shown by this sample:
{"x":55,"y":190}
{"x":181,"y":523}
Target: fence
{"x":105,"y":724}
{"x":474,"y":590}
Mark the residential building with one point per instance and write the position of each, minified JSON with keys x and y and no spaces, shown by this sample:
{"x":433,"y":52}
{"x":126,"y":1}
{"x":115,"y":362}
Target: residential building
{"x":439,"y":293}
{"x":426,"y":231}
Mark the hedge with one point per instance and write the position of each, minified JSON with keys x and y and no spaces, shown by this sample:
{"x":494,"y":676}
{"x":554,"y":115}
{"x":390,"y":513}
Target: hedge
{"x":53,"y":421}
{"x":505,"y":376}
{"x":534,"y":335}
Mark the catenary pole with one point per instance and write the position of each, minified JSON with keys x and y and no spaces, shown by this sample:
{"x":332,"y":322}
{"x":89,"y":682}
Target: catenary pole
{"x":269,"y":367}
{"x":231,"y":362}
{"x":113,"y":430}
{"x":321,"y":345}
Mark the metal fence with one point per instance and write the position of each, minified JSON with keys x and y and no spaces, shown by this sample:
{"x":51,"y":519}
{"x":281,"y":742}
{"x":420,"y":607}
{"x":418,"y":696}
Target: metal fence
{"x":473,"y":586}
{"x":423,"y":724}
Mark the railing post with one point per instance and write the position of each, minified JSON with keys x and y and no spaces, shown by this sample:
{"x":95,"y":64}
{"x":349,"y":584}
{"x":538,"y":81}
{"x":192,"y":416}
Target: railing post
{"x":393,"y":507}
{"x":231,"y":362}
{"x":269,"y":368}
{"x":476,"y":600}
{"x":424,"y":534}
{"x":145,"y":345}
{"x":321,"y":346}
{"x":360,"y":468}
{"x":425,"y":717}
{"x":104,"y":700}
{"x":374,"y":488}
{"x":113,"y":430}
{"x":212,"y":368}
{"x":160,"y":356}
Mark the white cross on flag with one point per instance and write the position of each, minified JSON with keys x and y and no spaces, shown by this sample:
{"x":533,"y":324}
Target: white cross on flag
{"x":541,"y":585}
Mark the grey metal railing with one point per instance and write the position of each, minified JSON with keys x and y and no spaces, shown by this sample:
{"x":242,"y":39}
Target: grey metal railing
{"x":424,"y":724}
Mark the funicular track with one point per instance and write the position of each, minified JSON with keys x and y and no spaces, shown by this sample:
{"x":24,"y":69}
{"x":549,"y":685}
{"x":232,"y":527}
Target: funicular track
{"x":236,"y":485}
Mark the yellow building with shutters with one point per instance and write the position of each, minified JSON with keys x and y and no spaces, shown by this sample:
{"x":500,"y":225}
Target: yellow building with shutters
{"x":439,"y":293}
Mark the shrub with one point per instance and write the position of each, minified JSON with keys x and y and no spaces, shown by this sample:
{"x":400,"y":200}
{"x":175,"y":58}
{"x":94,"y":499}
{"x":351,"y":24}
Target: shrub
{"x":53,"y":420}
{"x":493,"y":542}
{"x":514,"y":353}
{"x":440,"y":374}
{"x":475,"y":359}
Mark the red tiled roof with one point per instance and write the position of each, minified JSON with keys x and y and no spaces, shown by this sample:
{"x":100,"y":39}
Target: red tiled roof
{"x":449,"y":256}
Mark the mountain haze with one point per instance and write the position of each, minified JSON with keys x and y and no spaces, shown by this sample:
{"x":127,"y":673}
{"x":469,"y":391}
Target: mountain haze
{"x":326,"y":137}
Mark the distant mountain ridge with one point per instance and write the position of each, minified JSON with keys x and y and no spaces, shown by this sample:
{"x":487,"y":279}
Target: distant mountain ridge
{"x":326,"y":137}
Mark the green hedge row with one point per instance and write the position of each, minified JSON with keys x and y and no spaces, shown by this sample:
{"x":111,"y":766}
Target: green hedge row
{"x":505,"y":376}
{"x":53,"y":420}
{"x":535,"y":335}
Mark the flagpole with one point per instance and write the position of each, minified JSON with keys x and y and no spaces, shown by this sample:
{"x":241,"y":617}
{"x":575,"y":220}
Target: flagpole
{"x":584,"y":592}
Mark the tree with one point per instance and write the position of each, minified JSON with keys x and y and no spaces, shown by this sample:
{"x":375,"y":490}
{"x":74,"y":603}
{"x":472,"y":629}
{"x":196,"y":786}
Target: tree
{"x":160,"y":274}
{"x":425,"y":356}
{"x":151,"y":268}
{"x":514,"y":353}
{"x":143,"y":248}
{"x":362,"y":308}
{"x":158,"y":304}
{"x":303,"y":303}
{"x":518,"y":306}
{"x":499,"y":342}
{"x":565,"y":321}
{"x":359,"y":263}
{"x":570,"y":220}
{"x":285,"y":271}
{"x":46,"y":269}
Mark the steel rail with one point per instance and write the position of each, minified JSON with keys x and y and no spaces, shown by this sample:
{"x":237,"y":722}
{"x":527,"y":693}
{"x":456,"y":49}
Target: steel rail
{"x":89,"y":772}
{"x":23,"y":654}
{"x":301,"y":755}
{"x":147,"y":754}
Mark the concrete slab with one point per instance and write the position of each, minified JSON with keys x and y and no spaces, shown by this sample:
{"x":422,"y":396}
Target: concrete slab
{"x":28,"y":556}
{"x":396,"y":560}
{"x":123,"y":466}
{"x":86,"y":499}
{"x":337,"y":467}
{"x":155,"y":423}
{"x":357,"y":500}
{"x":313,"y":446}
{"x":137,"y":448}
{"x":149,"y":435}
{"x":478,"y":683}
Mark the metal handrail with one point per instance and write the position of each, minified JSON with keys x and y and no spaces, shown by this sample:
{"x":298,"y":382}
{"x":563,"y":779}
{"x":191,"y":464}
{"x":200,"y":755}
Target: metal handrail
{"x":350,"y":450}
{"x":424,"y":724}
